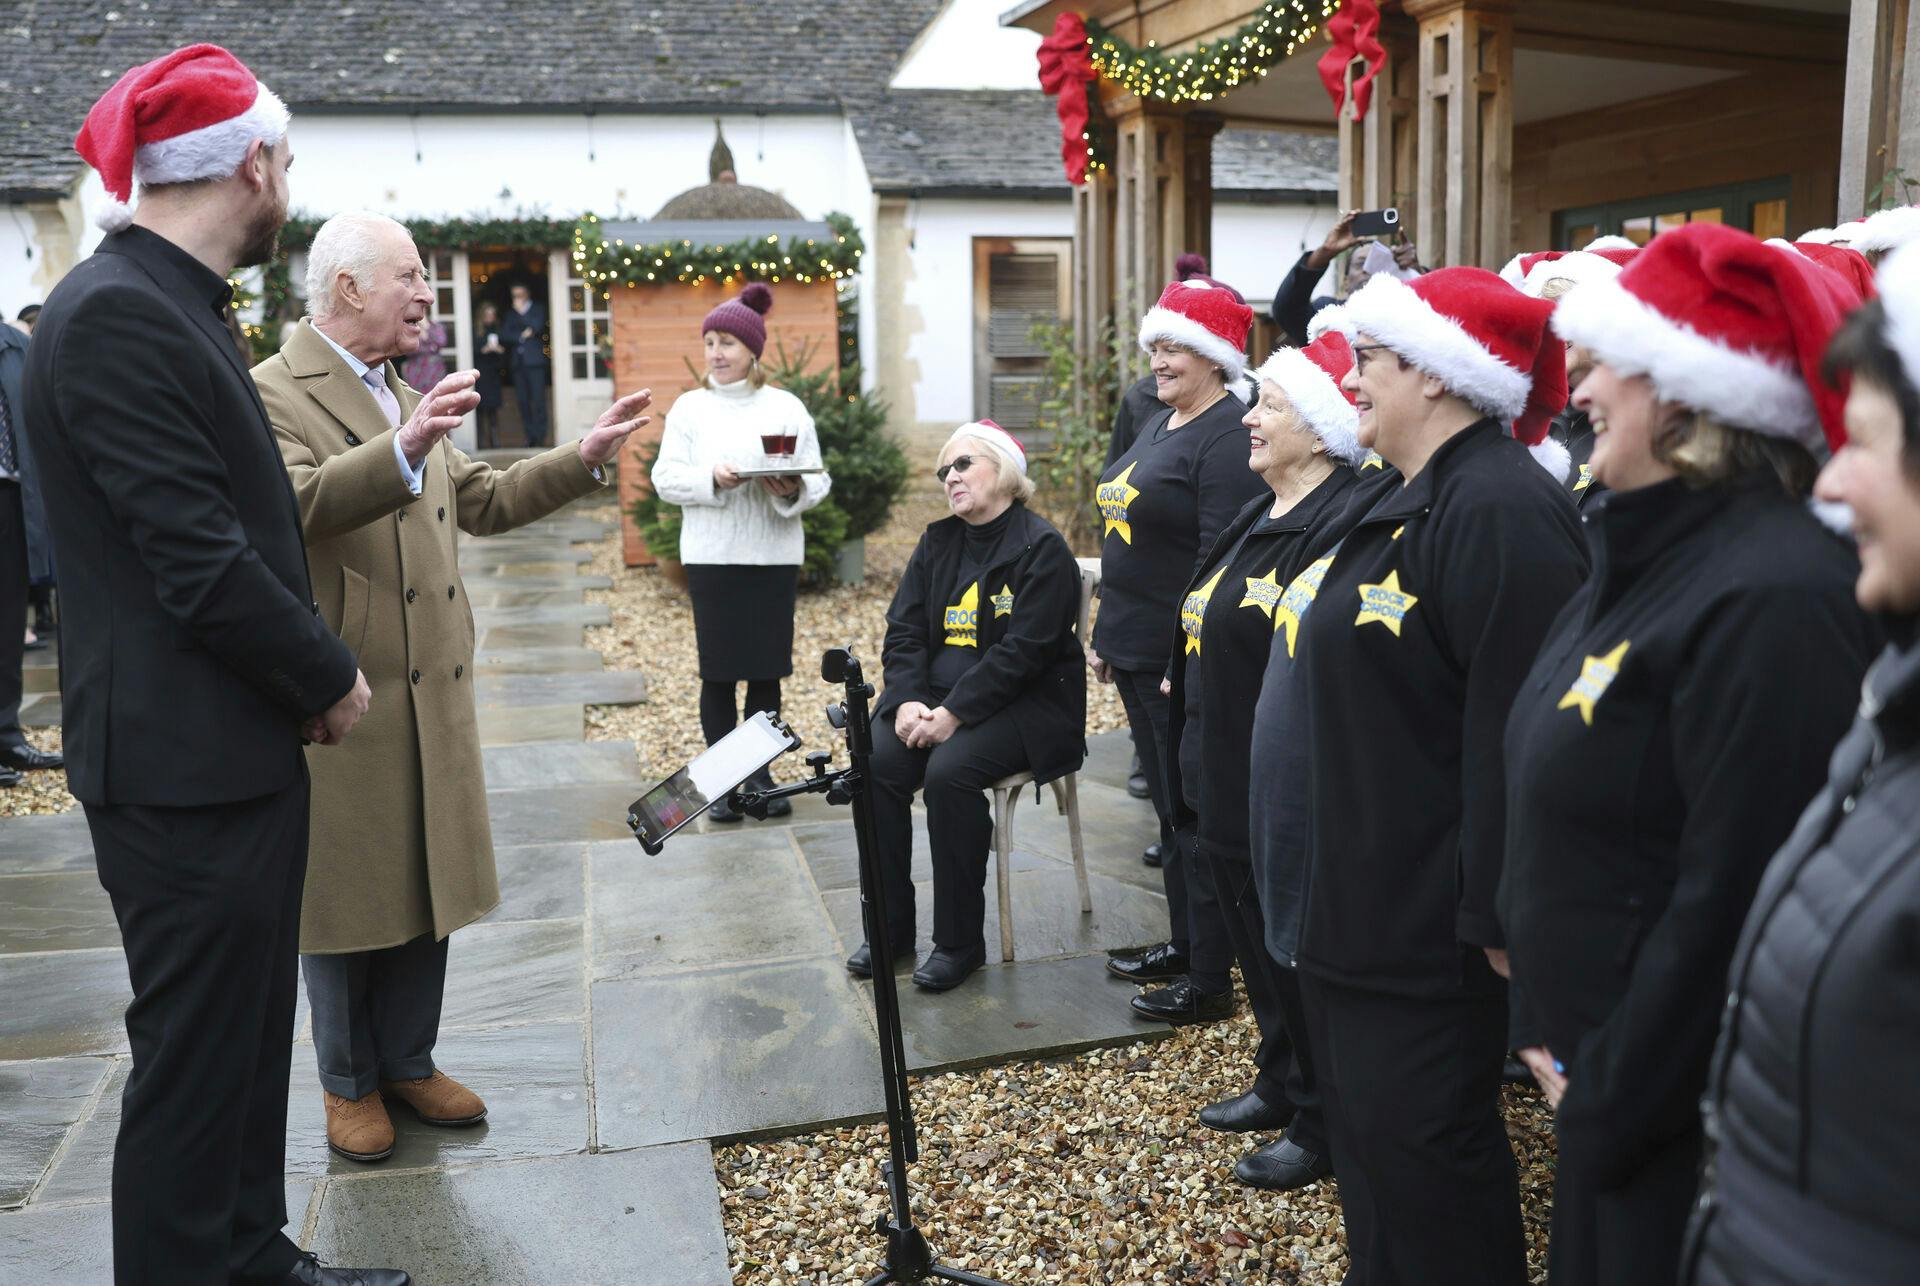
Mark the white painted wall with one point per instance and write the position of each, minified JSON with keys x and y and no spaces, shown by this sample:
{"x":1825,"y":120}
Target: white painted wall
{"x":1254,"y":246}
{"x":19,"y":261}
{"x":967,"y":48}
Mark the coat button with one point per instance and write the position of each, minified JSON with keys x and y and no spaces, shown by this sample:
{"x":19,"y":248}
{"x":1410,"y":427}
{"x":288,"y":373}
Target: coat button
{"x":352,"y":441}
{"x":416,"y":676}
{"x":449,"y":593}
{"x":402,"y":515}
{"x":443,"y":513}
{"x":1846,"y":805}
{"x":459,"y":670}
{"x":411,"y":596}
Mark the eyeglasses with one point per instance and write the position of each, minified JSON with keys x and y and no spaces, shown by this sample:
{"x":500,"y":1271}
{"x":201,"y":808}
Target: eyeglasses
{"x":960,"y":462}
{"x":1360,"y":350}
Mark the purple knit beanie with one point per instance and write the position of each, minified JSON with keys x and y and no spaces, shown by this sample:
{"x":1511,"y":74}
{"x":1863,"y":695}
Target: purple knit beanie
{"x":740,"y":317}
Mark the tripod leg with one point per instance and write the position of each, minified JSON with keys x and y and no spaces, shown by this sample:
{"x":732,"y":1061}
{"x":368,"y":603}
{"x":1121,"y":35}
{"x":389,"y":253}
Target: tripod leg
{"x":942,"y":1274}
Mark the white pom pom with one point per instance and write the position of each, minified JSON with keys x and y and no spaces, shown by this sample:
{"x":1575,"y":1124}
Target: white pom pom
{"x":1833,"y":515}
{"x":115,"y":216}
{"x":1611,"y":242}
{"x":1552,"y":457}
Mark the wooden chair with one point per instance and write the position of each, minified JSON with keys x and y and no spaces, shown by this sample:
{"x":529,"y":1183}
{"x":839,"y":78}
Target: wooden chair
{"x":1066,"y":797}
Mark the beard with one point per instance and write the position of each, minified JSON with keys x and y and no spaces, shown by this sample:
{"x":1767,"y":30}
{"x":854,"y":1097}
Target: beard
{"x":262,"y":244}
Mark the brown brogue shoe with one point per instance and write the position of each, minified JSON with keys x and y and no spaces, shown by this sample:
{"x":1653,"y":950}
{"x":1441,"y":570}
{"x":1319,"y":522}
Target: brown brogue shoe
{"x":438,"y":1099}
{"x":358,"y":1128}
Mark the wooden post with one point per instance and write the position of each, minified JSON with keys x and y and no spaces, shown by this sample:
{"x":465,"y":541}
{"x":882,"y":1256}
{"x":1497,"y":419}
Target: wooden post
{"x":1377,"y":154}
{"x":1150,"y":227}
{"x":1093,"y":219}
{"x":1464,"y":173}
{"x":1870,"y":109}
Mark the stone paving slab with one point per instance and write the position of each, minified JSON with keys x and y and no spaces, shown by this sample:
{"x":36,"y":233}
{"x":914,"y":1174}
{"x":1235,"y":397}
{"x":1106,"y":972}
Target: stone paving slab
{"x":1115,"y":829}
{"x":550,"y":814}
{"x":834,"y":858}
{"x":513,"y":637}
{"x":581,"y":614}
{"x":480,"y":594}
{"x":73,"y":1245}
{"x":535,"y":660}
{"x":61,"y":1003}
{"x":540,"y":882}
{"x":1047,"y":920}
{"x":40,"y":710}
{"x":707,"y":900}
{"x":486,"y":581}
{"x":516,"y":558}
{"x":540,"y":766}
{"x":40,"y":678}
{"x":60,"y":842}
{"x":66,"y":911}
{"x":501,"y":974}
{"x":513,"y":725}
{"x":39,"y":1103}
{"x":85,"y":1170}
{"x":649,"y":1217}
{"x":601,"y":687}
{"x":754,"y":1050}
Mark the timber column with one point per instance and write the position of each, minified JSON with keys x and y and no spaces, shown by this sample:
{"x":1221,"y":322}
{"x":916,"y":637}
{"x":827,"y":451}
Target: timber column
{"x":1378,"y":152}
{"x":1465,"y":126}
{"x":1163,"y":172}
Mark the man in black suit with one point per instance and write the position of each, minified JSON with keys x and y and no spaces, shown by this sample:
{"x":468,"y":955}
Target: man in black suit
{"x":16,"y":756}
{"x":524,"y":331}
{"x":193,"y":662}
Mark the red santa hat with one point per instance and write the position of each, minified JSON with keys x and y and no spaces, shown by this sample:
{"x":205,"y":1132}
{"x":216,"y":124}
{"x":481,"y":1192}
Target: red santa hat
{"x":1310,"y":377}
{"x":190,"y":115}
{"x":1850,"y":264}
{"x":1207,"y":317}
{"x":996,"y":440}
{"x":1724,"y":323}
{"x":1532,"y":272}
{"x":1488,"y":343}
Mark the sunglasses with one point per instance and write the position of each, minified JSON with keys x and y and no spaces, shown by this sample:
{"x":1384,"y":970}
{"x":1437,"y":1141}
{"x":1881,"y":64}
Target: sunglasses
{"x":960,"y":462}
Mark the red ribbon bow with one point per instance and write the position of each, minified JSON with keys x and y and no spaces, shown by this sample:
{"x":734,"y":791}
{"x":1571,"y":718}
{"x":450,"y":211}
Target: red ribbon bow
{"x":1066,"y":69}
{"x":1355,"y":31}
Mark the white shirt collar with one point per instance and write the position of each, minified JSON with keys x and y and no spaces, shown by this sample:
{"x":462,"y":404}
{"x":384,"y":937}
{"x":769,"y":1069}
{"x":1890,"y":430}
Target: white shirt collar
{"x":359,"y":367}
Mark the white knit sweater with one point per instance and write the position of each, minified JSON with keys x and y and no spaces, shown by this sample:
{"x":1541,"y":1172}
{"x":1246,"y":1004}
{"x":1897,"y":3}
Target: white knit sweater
{"x":722,"y":425}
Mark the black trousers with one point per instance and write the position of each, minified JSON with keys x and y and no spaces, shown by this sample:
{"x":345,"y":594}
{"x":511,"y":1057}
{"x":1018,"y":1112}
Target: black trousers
{"x":208,"y":901}
{"x":1629,"y":1235}
{"x":530,"y":393}
{"x":1284,"y":1059}
{"x":1195,"y":923}
{"x":13,"y":610}
{"x":376,"y":1014}
{"x":952,"y":778}
{"x":1411,"y":1090}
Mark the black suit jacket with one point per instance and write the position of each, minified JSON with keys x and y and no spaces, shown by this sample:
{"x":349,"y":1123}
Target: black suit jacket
{"x":525,"y":336}
{"x":190,"y":648}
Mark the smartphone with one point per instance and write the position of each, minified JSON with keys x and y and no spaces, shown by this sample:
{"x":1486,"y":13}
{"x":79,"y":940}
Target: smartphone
{"x":1376,"y":223}
{"x":729,"y":761}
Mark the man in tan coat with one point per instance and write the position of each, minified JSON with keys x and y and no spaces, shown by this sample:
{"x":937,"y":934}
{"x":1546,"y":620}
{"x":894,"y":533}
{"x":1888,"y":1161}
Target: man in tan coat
{"x":401,"y":852}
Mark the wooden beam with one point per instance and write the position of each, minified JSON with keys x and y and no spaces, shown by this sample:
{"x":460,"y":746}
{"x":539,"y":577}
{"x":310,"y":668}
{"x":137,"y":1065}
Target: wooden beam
{"x":1683,"y":25}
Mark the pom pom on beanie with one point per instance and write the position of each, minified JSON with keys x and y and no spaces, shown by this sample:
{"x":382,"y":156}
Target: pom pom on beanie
{"x":741,"y":317}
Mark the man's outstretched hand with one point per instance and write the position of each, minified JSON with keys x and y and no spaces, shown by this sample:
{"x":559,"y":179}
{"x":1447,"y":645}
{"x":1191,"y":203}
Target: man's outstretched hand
{"x":438,"y":414}
{"x":332,"y":726}
{"x":609,"y":433}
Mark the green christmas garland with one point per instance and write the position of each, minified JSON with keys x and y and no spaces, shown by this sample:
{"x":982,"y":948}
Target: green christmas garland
{"x":1216,"y":67}
{"x":607,"y":263}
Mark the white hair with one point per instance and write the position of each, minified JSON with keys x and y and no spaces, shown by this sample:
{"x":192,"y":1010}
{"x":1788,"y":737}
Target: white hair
{"x":346,"y":243}
{"x":1013,"y":484}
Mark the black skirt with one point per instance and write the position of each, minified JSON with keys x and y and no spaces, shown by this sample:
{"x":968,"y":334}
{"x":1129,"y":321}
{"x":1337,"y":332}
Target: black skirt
{"x":743,"y":620}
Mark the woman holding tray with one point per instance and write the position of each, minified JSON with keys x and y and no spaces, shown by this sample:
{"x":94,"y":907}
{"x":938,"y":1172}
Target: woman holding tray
{"x":740,"y":536}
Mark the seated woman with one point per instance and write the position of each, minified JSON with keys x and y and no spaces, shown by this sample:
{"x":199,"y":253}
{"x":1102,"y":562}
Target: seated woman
{"x":984,"y":679}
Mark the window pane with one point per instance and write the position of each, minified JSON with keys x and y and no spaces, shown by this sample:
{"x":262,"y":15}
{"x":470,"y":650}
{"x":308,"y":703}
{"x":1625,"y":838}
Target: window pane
{"x":1712,"y":215}
{"x":578,"y":328}
{"x":1770,"y":218}
{"x":444,"y":298}
{"x":443,"y":264}
{"x":1639,"y":231}
{"x":576,"y":299}
{"x":1668,"y":222}
{"x":1579,"y":235}
{"x":452,"y":325}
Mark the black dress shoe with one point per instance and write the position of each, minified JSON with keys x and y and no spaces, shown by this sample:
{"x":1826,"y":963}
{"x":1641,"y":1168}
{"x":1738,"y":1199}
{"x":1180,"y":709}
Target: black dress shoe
{"x":24,"y":758}
{"x":1282,"y":1166}
{"x":1248,"y":1114}
{"x":1137,"y":781}
{"x":1154,"y":854}
{"x":309,"y":1271}
{"x":721,"y":812}
{"x":860,"y":963}
{"x":1155,"y":964}
{"x":1183,"y":1004}
{"x":8,"y":777}
{"x":946,"y":968}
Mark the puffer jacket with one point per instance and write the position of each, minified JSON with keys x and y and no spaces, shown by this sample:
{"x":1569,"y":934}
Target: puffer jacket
{"x":1812,"y":1109}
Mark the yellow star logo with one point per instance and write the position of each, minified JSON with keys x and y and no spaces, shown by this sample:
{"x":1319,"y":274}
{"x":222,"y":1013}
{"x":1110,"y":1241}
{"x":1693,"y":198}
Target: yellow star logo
{"x":1373,"y":460}
{"x":1193,"y":612}
{"x":1597,"y":674}
{"x":1301,"y":592}
{"x":1113,"y":499}
{"x":1585,"y":479}
{"x":1386,"y":603}
{"x":1003,"y":601}
{"x":963,"y":620}
{"x":1263,"y":592}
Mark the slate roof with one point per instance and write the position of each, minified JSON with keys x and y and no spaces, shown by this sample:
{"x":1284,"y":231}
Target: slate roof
{"x":999,"y":142}
{"x":56,"y":56}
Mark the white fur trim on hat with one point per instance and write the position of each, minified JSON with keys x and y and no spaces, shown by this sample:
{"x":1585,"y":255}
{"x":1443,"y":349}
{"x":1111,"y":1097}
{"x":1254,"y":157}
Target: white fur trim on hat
{"x":1550,"y":455}
{"x":1164,"y":323}
{"x":1332,"y":317}
{"x":1611,"y":242}
{"x":1898,"y":280}
{"x":998,"y":441}
{"x":1580,"y":268}
{"x":1745,"y":390}
{"x":213,"y":151}
{"x":1388,"y":310}
{"x":1887,"y":230}
{"x":1318,"y":399}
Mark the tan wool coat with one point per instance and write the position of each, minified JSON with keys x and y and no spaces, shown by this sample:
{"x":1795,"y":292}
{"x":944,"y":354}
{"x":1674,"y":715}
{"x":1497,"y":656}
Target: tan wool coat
{"x":400,"y":841}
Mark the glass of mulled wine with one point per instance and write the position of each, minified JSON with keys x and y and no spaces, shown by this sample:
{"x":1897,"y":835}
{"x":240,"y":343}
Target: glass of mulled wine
{"x":779,"y":447}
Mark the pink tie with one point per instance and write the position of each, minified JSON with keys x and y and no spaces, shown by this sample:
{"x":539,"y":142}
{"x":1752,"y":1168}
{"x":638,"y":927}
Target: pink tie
{"x":376,"y":382}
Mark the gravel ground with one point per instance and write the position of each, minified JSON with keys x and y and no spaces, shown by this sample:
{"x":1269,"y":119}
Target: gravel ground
{"x":652,"y":632}
{"x":1090,"y":1169}
{"x":42,"y":793}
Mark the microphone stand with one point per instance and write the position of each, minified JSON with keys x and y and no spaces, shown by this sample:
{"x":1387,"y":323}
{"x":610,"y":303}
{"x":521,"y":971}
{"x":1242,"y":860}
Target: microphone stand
{"x":909,"y":1258}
